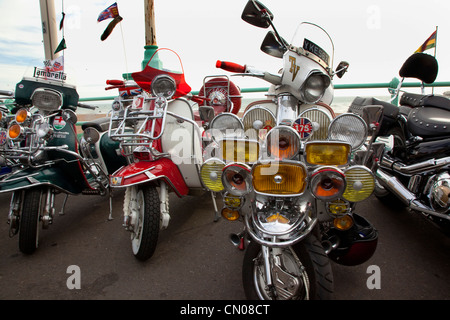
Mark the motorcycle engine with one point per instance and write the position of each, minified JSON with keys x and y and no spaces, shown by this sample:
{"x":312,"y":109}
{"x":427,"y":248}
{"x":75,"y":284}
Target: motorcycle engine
{"x":438,"y":191}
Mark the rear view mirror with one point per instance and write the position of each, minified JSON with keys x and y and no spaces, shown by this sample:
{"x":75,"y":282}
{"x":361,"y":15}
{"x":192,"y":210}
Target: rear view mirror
{"x":257,"y":14}
{"x":272,"y":46}
{"x":342,"y":68}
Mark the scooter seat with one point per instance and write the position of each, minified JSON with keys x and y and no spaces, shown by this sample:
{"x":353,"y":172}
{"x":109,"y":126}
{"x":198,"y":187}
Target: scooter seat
{"x":419,"y":100}
{"x":100,"y":124}
{"x":429,"y":122}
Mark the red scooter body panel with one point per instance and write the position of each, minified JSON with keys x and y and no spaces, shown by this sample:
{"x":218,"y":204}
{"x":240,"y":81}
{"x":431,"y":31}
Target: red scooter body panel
{"x":145,"y":171}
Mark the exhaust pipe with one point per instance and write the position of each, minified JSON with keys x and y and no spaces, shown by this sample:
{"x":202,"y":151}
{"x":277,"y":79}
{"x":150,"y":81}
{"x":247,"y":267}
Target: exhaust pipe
{"x":238,"y":240}
{"x":390,"y":163}
{"x":409,"y":198}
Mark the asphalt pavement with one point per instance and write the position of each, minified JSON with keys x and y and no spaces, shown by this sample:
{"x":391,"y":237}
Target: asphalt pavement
{"x":83,"y":256}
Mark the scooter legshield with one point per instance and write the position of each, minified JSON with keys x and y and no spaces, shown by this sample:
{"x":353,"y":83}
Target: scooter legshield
{"x":54,"y":177}
{"x":146,"y":171}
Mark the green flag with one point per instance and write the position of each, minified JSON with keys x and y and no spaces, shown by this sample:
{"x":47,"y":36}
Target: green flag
{"x":61,"y":46}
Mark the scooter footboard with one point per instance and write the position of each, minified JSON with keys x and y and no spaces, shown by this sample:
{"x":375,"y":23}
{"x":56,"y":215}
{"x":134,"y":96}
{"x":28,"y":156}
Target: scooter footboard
{"x":145,"y":171}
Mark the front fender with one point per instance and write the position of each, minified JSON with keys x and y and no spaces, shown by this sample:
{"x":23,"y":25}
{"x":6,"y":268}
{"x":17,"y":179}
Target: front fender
{"x":147,"y":171}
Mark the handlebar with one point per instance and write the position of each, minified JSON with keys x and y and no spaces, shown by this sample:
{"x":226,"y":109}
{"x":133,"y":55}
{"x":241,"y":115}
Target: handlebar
{"x":230,"y":66}
{"x":6,"y":93}
{"x":115,"y":82}
{"x":86,"y":106}
{"x":248,"y":71}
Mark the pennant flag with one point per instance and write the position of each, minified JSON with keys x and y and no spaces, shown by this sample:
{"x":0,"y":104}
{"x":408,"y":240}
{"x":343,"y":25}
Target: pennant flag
{"x":55,"y":65}
{"x":111,"y":12}
{"x":61,"y":46}
{"x":61,"y":23}
{"x":110,"y":27}
{"x":428,"y":44}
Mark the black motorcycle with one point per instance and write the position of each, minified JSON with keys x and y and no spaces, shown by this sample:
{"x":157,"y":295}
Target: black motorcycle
{"x":414,"y":170}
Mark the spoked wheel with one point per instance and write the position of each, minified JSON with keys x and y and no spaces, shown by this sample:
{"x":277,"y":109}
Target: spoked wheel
{"x":302,"y":272}
{"x":30,"y":220}
{"x":146,"y":230}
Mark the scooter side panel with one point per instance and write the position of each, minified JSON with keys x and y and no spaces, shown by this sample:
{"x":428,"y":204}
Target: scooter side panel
{"x":147,"y":171}
{"x":29,"y":178}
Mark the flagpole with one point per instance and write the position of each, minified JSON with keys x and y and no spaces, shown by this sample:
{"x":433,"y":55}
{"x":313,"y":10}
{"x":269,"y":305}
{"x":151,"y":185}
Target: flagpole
{"x":150,"y":33}
{"x":435,"y":49}
{"x":50,"y":37}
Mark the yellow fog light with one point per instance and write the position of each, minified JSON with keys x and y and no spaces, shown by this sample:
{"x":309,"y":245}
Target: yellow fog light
{"x":338,"y":207}
{"x":286,"y":178}
{"x":230,"y":214}
{"x":360,"y":183}
{"x":231,"y":201}
{"x":22,"y":115}
{"x":327,"y":153}
{"x":239,"y":150}
{"x":211,"y":174}
{"x":343,"y":223}
{"x":15,"y":131}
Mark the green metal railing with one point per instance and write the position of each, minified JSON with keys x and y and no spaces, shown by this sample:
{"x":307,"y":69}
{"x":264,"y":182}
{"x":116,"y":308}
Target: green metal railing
{"x":391,"y":86}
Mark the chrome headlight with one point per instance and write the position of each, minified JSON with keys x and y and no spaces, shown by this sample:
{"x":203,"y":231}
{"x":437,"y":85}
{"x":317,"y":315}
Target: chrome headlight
{"x":15,"y":131}
{"x":22,"y":115}
{"x":46,"y":99}
{"x":320,"y":122}
{"x":211,"y":174}
{"x":350,"y":128}
{"x":314,"y":87}
{"x":226,"y":124}
{"x":360,"y":183}
{"x":258,"y":122}
{"x":236,"y":179}
{"x":163,"y":86}
{"x":283,"y":142}
{"x":327,"y":183}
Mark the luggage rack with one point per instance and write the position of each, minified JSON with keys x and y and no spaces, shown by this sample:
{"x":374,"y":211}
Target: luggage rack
{"x":145,"y":125}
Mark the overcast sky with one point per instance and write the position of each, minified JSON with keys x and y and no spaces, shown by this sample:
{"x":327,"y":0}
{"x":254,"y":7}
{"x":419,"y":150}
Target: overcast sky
{"x":375,"y":37}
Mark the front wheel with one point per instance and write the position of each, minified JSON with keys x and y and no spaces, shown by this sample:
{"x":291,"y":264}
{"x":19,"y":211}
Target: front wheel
{"x":299,"y":272}
{"x":30,"y":220}
{"x":146,"y":229}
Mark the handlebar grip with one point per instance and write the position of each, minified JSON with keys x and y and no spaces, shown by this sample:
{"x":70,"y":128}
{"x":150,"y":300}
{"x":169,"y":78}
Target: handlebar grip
{"x":86,"y":106}
{"x":115,"y":82}
{"x":230,"y":66}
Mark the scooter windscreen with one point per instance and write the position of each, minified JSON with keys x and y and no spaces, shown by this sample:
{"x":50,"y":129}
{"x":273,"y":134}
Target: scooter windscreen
{"x":313,"y":39}
{"x":164,"y":62}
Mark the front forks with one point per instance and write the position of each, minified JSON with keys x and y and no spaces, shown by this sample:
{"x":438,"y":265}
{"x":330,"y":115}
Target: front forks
{"x":280,"y":283}
{"x":15,"y":210}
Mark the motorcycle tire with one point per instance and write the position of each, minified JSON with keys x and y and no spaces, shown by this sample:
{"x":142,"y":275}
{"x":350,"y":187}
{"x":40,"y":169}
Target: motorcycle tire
{"x":145,"y":239}
{"x":29,"y":221}
{"x":380,"y":192}
{"x":315,"y":268}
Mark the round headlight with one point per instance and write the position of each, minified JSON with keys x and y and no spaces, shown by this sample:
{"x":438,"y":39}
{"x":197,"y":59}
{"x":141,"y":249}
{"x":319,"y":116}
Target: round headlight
{"x":226,"y":124}
{"x":258,"y":122}
{"x":360,"y":183}
{"x":15,"y":131}
{"x":22,"y":115}
{"x":211,"y":174}
{"x":349,"y":128}
{"x":327,"y":183}
{"x":237,"y":179}
{"x":314,"y":87}
{"x":163,"y":86}
{"x":283,"y":142}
